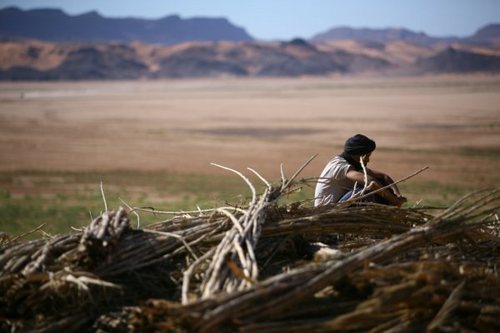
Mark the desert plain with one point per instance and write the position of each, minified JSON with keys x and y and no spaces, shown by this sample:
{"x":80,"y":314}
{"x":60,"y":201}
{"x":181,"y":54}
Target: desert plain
{"x":152,"y":142}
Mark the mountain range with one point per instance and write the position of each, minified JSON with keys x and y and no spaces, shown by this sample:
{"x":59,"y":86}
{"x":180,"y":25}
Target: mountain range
{"x":47,"y":44}
{"x":55,"y":25}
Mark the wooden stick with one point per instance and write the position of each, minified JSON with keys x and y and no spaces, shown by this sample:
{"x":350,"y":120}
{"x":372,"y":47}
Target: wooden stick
{"x":27,"y":233}
{"x":385,"y":187}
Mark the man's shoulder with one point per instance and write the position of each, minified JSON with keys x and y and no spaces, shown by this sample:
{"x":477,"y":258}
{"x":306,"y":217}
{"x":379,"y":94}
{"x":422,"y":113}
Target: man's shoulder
{"x":335,"y":164}
{"x":335,"y":171}
{"x":338,"y":160}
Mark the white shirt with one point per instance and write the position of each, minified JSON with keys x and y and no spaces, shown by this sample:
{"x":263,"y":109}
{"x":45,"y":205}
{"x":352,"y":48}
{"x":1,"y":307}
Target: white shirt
{"x":333,"y":183}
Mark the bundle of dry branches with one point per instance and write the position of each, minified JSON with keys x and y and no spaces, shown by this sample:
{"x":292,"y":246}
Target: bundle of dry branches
{"x":253,"y":268}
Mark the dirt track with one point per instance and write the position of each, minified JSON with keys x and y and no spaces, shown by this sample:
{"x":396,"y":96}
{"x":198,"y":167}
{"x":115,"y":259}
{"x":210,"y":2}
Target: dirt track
{"x":449,"y":123}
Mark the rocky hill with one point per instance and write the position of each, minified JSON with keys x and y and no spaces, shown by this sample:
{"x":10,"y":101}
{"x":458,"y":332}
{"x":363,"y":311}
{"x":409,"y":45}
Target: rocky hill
{"x":412,"y":53}
{"x":35,"y":60}
{"x":380,"y":36}
{"x":55,"y":25}
{"x":458,"y":61}
{"x":490,"y":34}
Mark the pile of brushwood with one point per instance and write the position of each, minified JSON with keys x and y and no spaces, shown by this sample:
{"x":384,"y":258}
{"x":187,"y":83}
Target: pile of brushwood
{"x":263,"y":267}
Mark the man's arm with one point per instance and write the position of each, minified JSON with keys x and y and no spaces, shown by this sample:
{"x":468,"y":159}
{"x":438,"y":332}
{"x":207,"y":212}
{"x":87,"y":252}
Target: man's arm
{"x":385,"y":180}
{"x":374,"y":184}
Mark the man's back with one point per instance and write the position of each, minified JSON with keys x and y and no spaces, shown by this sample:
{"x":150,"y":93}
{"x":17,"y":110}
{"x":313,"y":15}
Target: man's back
{"x":333,"y":183}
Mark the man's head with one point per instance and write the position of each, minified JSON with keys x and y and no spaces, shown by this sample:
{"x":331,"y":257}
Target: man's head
{"x":359,"y":145}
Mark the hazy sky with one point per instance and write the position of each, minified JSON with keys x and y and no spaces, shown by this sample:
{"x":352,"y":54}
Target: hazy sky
{"x":285,"y":19}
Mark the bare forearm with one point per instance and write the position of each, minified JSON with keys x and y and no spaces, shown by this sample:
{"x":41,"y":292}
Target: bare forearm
{"x":388,"y":180}
{"x":374,"y":184}
{"x":386,"y":194}
{"x":385,"y":180}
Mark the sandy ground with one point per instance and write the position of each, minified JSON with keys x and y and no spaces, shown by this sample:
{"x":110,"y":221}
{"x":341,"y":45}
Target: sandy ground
{"x":451,"y":124}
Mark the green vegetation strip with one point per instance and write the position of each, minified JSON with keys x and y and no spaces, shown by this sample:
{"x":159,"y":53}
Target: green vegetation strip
{"x":68,"y":199}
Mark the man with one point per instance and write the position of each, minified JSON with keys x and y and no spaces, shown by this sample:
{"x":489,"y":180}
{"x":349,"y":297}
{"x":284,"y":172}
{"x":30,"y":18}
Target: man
{"x":343,"y":177}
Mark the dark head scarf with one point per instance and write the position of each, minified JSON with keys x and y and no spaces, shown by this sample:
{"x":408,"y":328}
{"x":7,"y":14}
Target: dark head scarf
{"x":357,"y":145}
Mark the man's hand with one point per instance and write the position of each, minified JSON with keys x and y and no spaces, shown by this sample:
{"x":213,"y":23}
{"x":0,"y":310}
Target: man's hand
{"x":401,"y":200}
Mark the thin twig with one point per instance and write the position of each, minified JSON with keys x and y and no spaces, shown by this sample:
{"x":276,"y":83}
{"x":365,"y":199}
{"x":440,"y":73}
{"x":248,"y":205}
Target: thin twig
{"x":104,"y":198}
{"x":365,"y":175}
{"x":27,"y":233}
{"x":261,"y":178}
{"x":171,"y":212}
{"x":298,"y":172}
{"x":283,"y":177}
{"x":252,"y":188}
{"x":188,"y":272}
{"x":132,"y":211}
{"x":170,"y":234}
{"x":387,"y":186}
